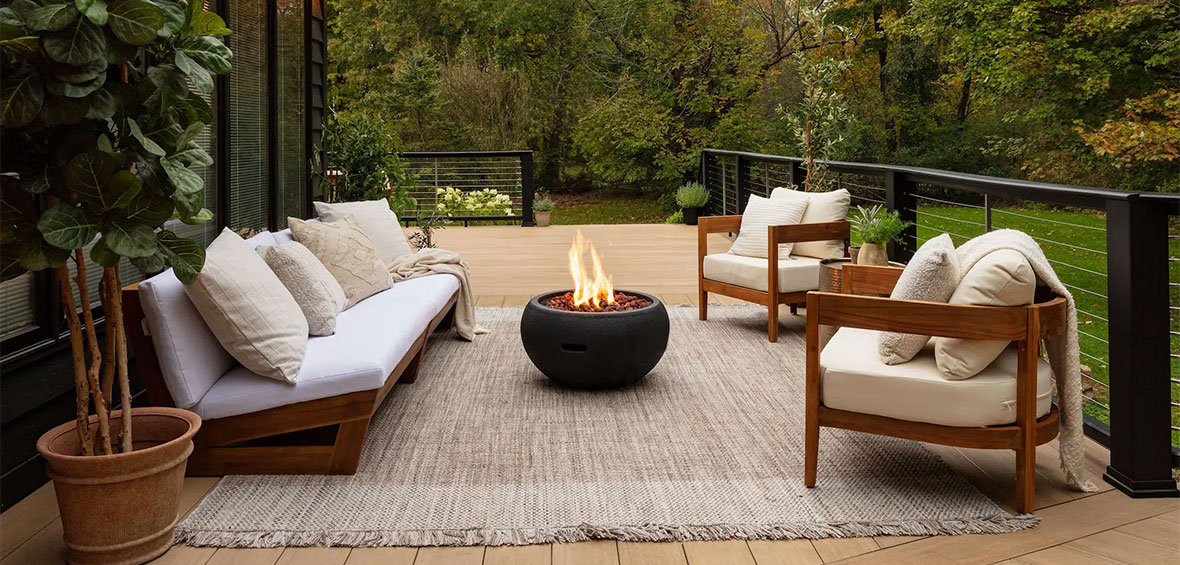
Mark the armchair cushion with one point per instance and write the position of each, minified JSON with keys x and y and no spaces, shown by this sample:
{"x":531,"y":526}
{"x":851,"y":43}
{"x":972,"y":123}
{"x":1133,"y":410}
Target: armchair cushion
{"x":822,"y":207}
{"x":761,"y":213}
{"x":794,"y":273}
{"x":1001,"y":278}
{"x":853,"y":379}
{"x":931,"y":276}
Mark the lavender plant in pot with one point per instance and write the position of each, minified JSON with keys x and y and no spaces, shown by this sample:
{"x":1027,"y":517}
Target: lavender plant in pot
{"x":875,"y":227}
{"x":101,"y":108}
{"x":692,"y":197}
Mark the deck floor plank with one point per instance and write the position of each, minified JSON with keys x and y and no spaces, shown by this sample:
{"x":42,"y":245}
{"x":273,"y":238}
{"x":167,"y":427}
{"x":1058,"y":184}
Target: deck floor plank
{"x":263,"y":556}
{"x":835,"y":549}
{"x":784,"y":552}
{"x":450,"y":556}
{"x":519,"y":555}
{"x":314,"y":556}
{"x":1117,"y":546}
{"x":729,"y":552}
{"x":27,"y":517}
{"x":382,"y":556}
{"x":651,"y":553}
{"x":598,"y":552}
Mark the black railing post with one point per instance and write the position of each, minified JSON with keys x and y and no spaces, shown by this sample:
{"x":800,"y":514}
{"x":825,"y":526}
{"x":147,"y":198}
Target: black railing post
{"x":743,"y":183}
{"x":797,"y":174}
{"x":705,"y":157}
{"x":1140,"y":391}
{"x":526,"y":189}
{"x":899,"y":197}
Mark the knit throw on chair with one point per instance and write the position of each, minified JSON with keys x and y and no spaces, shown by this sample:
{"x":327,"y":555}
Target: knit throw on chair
{"x":1062,"y":350}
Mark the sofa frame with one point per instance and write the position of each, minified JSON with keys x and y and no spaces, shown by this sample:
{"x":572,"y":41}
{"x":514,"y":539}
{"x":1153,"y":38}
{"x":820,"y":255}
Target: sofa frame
{"x":772,"y":298}
{"x":1026,"y":325}
{"x":267,"y":442}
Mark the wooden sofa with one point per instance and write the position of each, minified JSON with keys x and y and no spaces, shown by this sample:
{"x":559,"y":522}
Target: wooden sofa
{"x":296,"y":431}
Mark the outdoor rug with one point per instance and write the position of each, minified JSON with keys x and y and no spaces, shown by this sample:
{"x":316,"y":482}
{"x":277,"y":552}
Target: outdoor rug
{"x":483,"y":450}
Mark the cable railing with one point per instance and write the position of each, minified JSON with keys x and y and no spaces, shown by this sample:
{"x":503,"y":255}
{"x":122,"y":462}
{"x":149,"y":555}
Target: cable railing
{"x":470,"y":186}
{"x":1117,"y":252}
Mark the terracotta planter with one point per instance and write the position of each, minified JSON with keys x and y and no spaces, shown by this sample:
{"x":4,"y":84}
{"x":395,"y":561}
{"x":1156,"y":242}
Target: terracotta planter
{"x":872,"y":254}
{"x":542,"y":218}
{"x":121,"y":508}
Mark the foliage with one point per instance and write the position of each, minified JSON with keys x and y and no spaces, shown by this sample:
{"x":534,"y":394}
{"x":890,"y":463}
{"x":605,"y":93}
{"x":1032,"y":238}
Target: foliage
{"x":600,"y":209}
{"x":363,"y":164}
{"x":1148,"y":131}
{"x":543,"y":204}
{"x":484,"y":202}
{"x":875,"y":225}
{"x":429,"y":222}
{"x":692,"y":195}
{"x":677,"y":217}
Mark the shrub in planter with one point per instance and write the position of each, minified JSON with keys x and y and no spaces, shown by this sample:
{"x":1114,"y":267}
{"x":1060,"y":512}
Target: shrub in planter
{"x":542,"y":208}
{"x":101,"y":108}
{"x":875,"y":227}
{"x":692,"y":197}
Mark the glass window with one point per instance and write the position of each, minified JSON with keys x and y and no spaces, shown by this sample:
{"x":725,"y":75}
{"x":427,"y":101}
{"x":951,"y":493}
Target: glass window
{"x":291,"y":183}
{"x":248,"y":182}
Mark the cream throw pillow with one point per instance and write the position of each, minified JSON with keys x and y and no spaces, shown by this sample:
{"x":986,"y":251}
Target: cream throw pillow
{"x":1001,"y":278}
{"x":315,"y":290}
{"x":376,"y":220}
{"x":347,"y":253}
{"x":931,"y":276}
{"x":760,"y":214}
{"x":251,"y":313}
{"x":822,"y":207}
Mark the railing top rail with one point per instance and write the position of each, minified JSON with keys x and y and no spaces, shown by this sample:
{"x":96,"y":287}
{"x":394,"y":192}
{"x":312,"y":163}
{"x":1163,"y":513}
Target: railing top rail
{"x":1086,"y":197}
{"x":457,"y":154}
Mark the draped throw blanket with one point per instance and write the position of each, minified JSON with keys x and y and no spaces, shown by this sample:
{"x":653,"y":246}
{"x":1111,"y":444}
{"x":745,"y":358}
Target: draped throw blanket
{"x":1062,"y":350}
{"x":440,"y":261}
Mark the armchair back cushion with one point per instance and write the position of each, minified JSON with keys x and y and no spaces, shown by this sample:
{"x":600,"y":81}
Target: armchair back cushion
{"x":931,"y":276}
{"x":822,"y":207}
{"x":376,"y":219}
{"x":1001,"y":278}
{"x":760,"y":214}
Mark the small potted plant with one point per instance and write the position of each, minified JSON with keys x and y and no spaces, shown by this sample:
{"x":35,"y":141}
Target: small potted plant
{"x":876,"y":228}
{"x":692,"y":197}
{"x":541,"y":210}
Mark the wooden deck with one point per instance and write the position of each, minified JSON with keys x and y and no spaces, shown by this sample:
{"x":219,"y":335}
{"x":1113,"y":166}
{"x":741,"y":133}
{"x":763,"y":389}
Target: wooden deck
{"x":509,"y":265}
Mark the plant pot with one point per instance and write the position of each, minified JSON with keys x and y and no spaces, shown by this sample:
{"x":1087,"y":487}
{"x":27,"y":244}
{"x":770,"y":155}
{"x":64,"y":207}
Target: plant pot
{"x":691,"y":215}
{"x":542,"y":218}
{"x":853,"y":252}
{"x":872,"y":254}
{"x":121,"y":508}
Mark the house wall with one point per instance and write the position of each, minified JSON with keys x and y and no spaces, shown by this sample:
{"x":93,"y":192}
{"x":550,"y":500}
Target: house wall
{"x":269,"y":114}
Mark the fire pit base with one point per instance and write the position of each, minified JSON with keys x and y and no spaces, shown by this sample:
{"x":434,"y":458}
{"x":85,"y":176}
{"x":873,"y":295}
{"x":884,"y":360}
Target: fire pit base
{"x":594,"y":350}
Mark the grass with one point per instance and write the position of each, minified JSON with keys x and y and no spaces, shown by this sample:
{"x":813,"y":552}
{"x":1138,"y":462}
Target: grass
{"x":594,"y":209}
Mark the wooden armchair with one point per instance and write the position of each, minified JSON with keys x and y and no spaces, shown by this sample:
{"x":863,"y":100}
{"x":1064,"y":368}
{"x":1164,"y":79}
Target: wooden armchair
{"x":1025,"y":325}
{"x":787,"y":284}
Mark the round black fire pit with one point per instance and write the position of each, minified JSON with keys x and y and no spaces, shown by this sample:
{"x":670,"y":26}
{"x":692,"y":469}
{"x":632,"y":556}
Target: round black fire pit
{"x":594,"y":349}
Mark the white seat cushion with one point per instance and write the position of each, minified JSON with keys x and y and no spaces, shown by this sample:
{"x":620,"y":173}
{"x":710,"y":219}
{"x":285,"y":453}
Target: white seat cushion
{"x":794,"y":273}
{"x":853,"y":378}
{"x":371,"y":338}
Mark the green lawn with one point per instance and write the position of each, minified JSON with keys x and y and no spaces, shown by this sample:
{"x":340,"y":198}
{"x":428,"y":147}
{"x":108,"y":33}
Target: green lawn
{"x":580,"y":210}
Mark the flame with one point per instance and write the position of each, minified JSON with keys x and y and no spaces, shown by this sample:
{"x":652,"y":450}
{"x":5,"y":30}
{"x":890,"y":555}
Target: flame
{"x":587,"y":290}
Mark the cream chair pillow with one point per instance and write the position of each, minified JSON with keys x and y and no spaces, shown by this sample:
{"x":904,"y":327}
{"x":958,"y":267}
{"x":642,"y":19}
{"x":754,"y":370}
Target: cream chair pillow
{"x":761,"y":213}
{"x":822,"y":207}
{"x":347,"y":253}
{"x":248,"y":309}
{"x":378,"y":222}
{"x":931,"y":276}
{"x":315,"y":290}
{"x":1001,"y":278}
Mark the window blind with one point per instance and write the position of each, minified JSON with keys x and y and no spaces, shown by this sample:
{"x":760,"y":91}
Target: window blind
{"x":291,"y":183}
{"x":248,"y":182}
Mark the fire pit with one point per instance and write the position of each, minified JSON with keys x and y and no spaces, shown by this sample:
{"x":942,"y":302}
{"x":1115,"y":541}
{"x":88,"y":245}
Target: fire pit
{"x":594,"y":336}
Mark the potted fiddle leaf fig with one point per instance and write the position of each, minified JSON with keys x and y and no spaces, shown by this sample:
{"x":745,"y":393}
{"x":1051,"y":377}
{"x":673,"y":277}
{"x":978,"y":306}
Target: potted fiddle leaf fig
{"x":102,"y":104}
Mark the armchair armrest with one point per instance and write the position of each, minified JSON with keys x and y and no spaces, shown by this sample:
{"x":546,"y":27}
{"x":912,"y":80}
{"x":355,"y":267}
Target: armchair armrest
{"x":869,"y":279}
{"x":1009,"y":323}
{"x":719,"y":224}
{"x":796,"y":233}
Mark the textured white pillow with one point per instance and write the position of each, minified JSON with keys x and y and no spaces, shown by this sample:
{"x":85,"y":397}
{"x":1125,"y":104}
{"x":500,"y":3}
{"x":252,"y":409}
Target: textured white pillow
{"x":251,"y":313}
{"x":931,"y":276}
{"x":822,"y":207}
{"x":1001,"y":278}
{"x":376,"y":220}
{"x":347,"y":253}
{"x":760,"y":214}
{"x":315,"y":290}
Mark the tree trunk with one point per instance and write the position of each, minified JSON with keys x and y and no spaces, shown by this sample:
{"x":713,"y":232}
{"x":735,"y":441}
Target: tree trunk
{"x":883,"y":84}
{"x":81,"y":388}
{"x":100,"y":402}
{"x":115,"y":320}
{"x":964,"y":100}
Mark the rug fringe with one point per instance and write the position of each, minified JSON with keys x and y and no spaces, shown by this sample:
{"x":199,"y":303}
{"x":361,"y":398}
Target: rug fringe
{"x":524,"y":536}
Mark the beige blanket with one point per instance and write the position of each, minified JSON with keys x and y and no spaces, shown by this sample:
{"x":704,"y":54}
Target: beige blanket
{"x":440,"y":261}
{"x":1062,"y":350}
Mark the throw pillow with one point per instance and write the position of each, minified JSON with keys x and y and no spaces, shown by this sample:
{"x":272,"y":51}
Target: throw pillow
{"x":315,"y":290}
{"x":1001,"y":278}
{"x":822,"y":207}
{"x":931,"y":276}
{"x":251,"y":313}
{"x":378,"y":222}
{"x":347,"y":253}
{"x":761,"y":213}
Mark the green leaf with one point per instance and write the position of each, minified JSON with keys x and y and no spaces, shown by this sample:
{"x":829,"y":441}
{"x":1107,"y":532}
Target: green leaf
{"x":196,"y":109}
{"x":151,"y":264}
{"x":188,"y":204}
{"x":67,"y":226}
{"x":202,"y":79}
{"x":21,"y":97}
{"x":194,"y":156}
{"x":75,"y":45}
{"x":149,"y":208}
{"x":195,"y":8}
{"x":208,"y":51}
{"x":10,"y":263}
{"x":204,"y":215}
{"x":36,"y":182}
{"x":144,"y":141}
{"x":40,"y":255}
{"x":62,"y":110}
{"x":78,"y":74}
{"x":185,"y":256}
{"x":135,"y":22}
{"x":174,"y":12}
{"x":120,"y":189}
{"x":188,"y":135}
{"x":103,"y":255}
{"x":71,"y":90}
{"x":54,"y":17}
{"x":94,"y":10}
{"x":169,"y":79}
{"x":87,"y":174}
{"x":20,"y":46}
{"x":131,"y":239}
{"x":208,"y":23}
{"x":184,"y":179}
{"x":101,"y":105}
